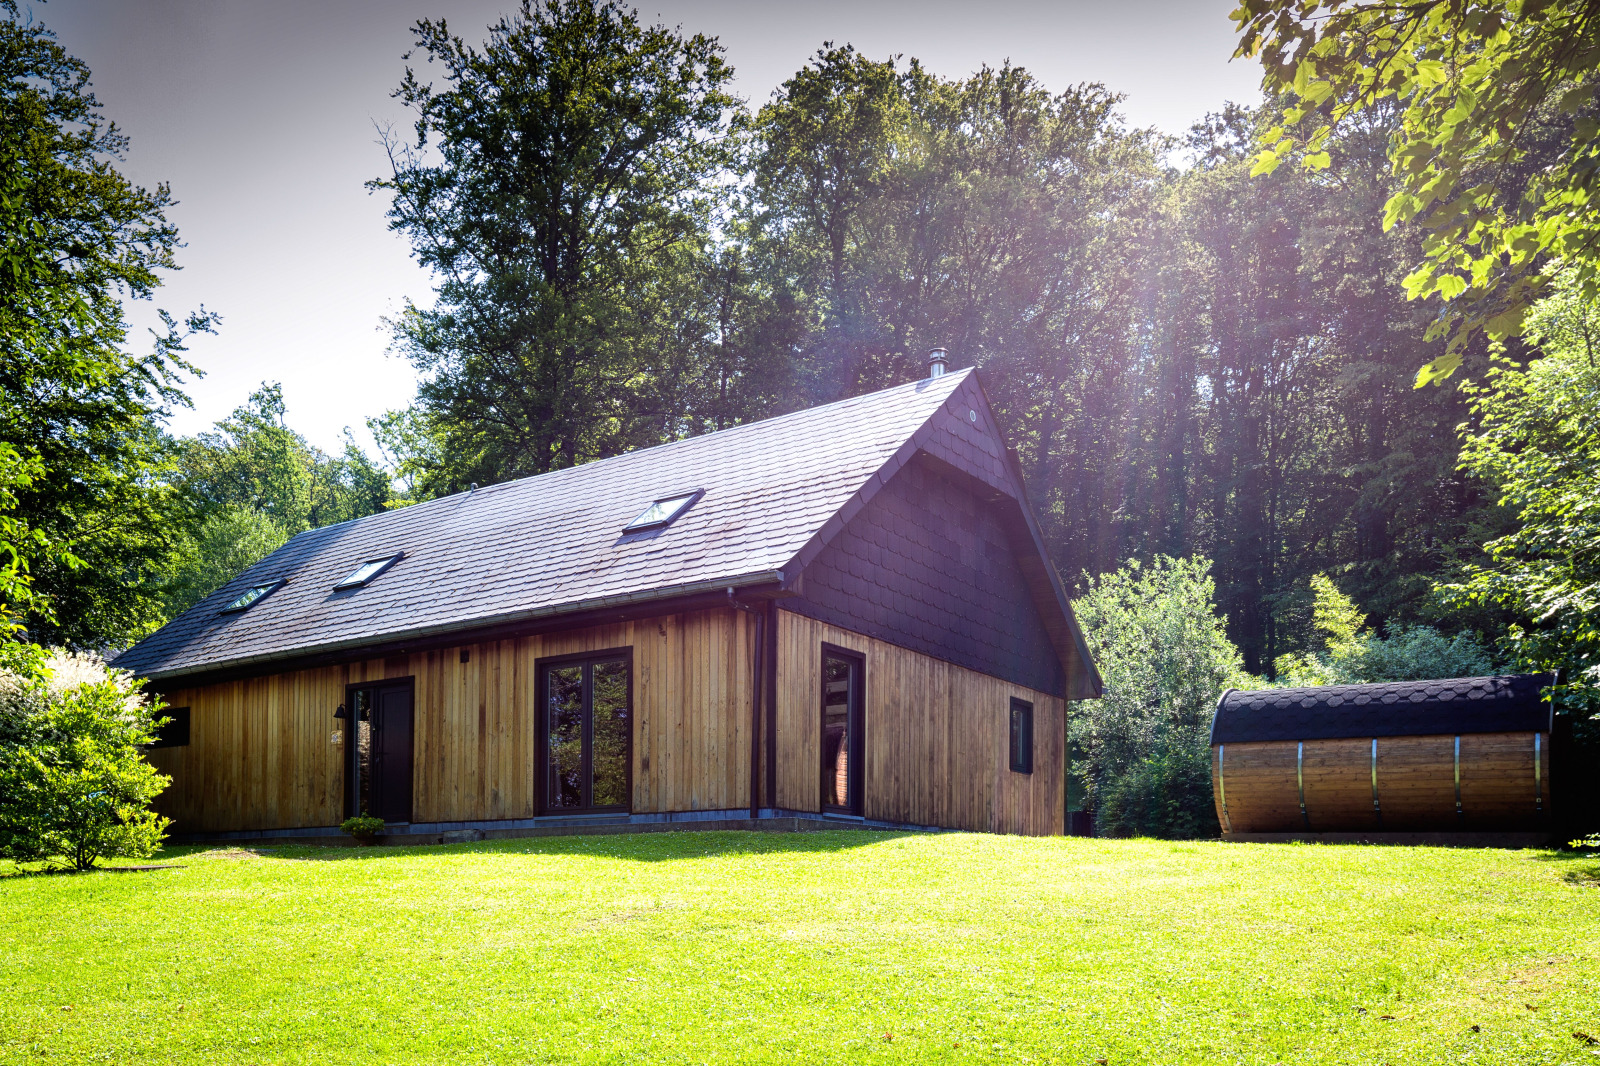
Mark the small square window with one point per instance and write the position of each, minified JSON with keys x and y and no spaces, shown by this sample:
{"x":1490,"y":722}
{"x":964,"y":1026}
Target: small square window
{"x":663,"y":511}
{"x":367,"y":571}
{"x":1021,"y":736}
{"x":252,"y":596}
{"x":175,"y":734}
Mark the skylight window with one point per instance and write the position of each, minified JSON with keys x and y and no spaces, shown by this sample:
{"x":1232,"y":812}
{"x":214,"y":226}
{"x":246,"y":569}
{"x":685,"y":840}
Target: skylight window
{"x":368,"y":570}
{"x":663,"y":512}
{"x":252,"y":596}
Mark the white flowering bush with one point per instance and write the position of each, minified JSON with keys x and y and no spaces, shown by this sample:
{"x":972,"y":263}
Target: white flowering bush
{"x":74,"y":784}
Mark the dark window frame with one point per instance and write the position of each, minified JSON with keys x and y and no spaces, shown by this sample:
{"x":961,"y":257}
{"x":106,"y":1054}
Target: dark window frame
{"x":541,"y":727}
{"x":857,"y":763}
{"x":388,"y":563}
{"x":270,"y":586}
{"x":351,"y":761}
{"x":1020,"y":735}
{"x":175,"y":734}
{"x":637,"y":526}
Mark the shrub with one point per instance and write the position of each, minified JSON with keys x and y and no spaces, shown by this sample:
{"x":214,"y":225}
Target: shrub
{"x":363,"y":825}
{"x":74,"y":785}
{"x":1142,"y":751}
{"x":1351,"y":654}
{"x":1167,"y":794}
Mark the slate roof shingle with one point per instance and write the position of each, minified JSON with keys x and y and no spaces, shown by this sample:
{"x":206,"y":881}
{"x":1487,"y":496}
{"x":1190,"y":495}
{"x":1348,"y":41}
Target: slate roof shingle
{"x":1507,"y":703}
{"x":553,"y":544}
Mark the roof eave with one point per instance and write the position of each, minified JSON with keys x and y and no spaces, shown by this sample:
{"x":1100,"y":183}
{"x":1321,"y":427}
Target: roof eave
{"x":743,"y":582}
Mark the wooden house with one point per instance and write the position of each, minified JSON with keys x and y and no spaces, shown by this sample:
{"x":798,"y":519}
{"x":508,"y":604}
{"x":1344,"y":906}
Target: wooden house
{"x":844,"y":614}
{"x":1463,"y":756}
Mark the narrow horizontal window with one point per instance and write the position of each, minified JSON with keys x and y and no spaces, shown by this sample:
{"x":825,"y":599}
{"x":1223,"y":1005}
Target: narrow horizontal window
{"x":175,"y":734}
{"x":364,"y":574}
{"x":663,"y":511}
{"x":252,"y":596}
{"x":1021,"y":736}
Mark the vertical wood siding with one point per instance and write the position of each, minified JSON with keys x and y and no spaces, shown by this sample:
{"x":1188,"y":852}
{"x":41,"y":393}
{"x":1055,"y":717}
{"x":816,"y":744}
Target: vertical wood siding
{"x":936,"y":738}
{"x":266,"y":753}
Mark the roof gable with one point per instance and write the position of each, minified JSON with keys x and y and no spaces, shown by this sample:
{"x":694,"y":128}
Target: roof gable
{"x":553,"y":544}
{"x":773,"y":494}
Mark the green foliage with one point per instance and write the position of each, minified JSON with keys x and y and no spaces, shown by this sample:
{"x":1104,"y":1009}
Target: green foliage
{"x":561,"y":187}
{"x":249,"y":485}
{"x":362,"y":825}
{"x":1497,"y":151}
{"x":1346,"y":652}
{"x":225,"y":543}
{"x":74,"y":786}
{"x":1535,"y":436}
{"x":18,"y":542}
{"x":1166,"y":794}
{"x":83,"y":503}
{"x":1142,"y":749}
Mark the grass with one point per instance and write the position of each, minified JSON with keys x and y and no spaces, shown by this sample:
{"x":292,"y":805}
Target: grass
{"x":840,"y":947}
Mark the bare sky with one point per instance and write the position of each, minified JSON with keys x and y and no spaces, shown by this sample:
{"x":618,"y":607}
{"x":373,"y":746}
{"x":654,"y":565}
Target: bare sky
{"x":261,"y":117}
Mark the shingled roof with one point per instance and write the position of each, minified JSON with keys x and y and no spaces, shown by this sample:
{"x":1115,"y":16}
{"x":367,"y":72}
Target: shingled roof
{"x":553,"y":545}
{"x":1505,"y":704}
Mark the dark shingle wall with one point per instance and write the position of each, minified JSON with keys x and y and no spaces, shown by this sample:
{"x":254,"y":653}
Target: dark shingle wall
{"x":927,"y":566}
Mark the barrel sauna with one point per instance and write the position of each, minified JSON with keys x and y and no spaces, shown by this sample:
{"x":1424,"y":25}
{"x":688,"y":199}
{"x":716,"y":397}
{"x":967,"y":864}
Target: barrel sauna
{"x":1466,"y":755}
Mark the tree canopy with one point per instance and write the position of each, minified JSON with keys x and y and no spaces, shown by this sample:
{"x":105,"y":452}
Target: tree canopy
{"x":560,"y":187}
{"x":1496,"y":151}
{"x":80,"y":415}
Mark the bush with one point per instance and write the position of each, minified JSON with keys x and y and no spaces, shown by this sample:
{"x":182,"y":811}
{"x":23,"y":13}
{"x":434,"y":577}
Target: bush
{"x":1167,"y":794}
{"x":1141,"y":753}
{"x":1349,"y":653}
{"x":363,"y":825}
{"x":74,"y":785}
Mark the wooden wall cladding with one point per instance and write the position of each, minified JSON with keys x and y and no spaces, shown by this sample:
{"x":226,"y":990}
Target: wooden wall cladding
{"x":263,"y":755}
{"x":936,"y":740}
{"x":1416,"y":784}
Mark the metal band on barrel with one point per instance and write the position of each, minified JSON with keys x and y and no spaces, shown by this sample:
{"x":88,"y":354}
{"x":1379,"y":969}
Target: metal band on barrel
{"x":1376,"y":810}
{"x":1222,"y":787}
{"x":1300,"y":779}
{"x":1538,"y":775}
{"x":1458,"y":775}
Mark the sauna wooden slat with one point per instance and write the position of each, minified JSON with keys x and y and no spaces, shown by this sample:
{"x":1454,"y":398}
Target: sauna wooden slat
{"x":1416,"y":784}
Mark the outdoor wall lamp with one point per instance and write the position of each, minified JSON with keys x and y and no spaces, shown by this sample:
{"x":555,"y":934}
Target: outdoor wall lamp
{"x":341,"y":712}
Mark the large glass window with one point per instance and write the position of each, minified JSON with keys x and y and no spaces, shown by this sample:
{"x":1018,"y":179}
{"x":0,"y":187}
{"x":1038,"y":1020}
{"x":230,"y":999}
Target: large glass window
{"x":587,"y":733}
{"x":842,"y":692}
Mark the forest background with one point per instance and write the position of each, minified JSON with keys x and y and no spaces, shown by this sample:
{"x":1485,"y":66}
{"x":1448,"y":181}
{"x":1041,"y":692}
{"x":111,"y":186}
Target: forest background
{"x":1190,"y":360}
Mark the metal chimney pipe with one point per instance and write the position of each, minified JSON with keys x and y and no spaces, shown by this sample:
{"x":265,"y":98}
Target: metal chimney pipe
{"x":937,"y":359}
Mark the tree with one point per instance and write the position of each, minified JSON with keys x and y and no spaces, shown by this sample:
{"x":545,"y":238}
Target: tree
{"x":74,"y":785}
{"x":250,"y":484}
{"x":558,"y":183}
{"x":84,"y":506}
{"x":1349,"y":653}
{"x":1535,"y":436}
{"x":1497,"y":153}
{"x":1141,"y":751}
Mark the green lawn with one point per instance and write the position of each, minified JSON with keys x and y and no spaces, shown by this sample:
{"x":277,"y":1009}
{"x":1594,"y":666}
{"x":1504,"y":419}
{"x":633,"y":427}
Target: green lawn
{"x":843,"y":947}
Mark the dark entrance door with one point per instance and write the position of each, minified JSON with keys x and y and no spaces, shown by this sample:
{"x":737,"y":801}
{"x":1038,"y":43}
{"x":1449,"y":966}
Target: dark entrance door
{"x":843,"y":692}
{"x":586,"y":732}
{"x":380,"y":759}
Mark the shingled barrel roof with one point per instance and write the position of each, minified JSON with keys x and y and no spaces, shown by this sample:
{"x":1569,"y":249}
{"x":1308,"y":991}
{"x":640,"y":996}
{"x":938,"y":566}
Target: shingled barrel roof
{"x":1505,"y":704}
{"x":775,"y":492}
